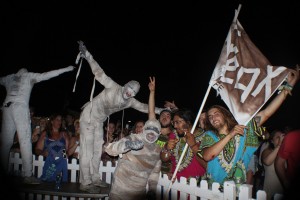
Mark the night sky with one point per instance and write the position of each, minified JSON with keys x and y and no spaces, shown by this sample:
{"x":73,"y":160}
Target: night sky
{"x":178,"y":43}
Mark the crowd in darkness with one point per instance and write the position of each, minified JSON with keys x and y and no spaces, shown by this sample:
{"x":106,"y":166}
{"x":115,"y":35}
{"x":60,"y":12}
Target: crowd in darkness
{"x":219,"y":149}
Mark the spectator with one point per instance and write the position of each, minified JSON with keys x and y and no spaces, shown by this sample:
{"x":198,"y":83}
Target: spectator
{"x":74,"y":145}
{"x":192,"y":165}
{"x":259,"y":176}
{"x":138,"y":126}
{"x":53,"y":144}
{"x":69,"y":118}
{"x":165,"y":119}
{"x":109,"y":137}
{"x":287,"y":163}
{"x":121,"y":131}
{"x":272,"y":184}
{"x":36,"y":133}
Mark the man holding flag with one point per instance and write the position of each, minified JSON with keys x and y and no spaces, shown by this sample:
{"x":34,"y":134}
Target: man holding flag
{"x":246,"y":80}
{"x":229,"y":146}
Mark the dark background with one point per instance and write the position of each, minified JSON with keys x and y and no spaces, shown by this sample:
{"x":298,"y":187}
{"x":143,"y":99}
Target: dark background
{"x":178,"y":43}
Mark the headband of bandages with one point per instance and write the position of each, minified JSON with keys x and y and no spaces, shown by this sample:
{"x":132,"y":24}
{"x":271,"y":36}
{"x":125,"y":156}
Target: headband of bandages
{"x":134,"y":85}
{"x":152,"y":128}
{"x":151,"y":131}
{"x":152,"y":125}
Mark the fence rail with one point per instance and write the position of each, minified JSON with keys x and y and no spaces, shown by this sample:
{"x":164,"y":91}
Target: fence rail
{"x":179,"y":190}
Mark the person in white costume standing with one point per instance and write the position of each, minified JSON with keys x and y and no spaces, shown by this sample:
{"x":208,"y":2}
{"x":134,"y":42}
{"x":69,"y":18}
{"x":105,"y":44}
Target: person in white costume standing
{"x":113,"y":98}
{"x":16,"y":116}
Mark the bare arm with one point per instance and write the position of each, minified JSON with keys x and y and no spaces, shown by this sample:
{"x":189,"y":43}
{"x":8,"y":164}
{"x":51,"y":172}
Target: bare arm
{"x":67,"y":139}
{"x":281,"y":171}
{"x":39,"y":148}
{"x":194,"y":146}
{"x":211,"y":152}
{"x":273,"y":106}
{"x":269,"y":155}
{"x":151,"y":105}
{"x":73,"y":145}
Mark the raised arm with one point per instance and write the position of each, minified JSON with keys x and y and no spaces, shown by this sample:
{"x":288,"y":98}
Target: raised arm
{"x":273,"y":106}
{"x":99,"y":73}
{"x":151,"y":105}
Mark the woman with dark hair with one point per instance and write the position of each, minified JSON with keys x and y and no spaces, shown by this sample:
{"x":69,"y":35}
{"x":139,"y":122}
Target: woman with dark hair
{"x":53,"y":144}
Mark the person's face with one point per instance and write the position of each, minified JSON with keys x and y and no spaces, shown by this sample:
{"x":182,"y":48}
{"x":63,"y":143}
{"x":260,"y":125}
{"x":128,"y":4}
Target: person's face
{"x":130,"y":89}
{"x":77,"y":126}
{"x":43,"y":122}
{"x":216,"y":118}
{"x":180,"y":125}
{"x":165,"y":119}
{"x":69,"y":119}
{"x":128,"y":92}
{"x":56,"y":122}
{"x":152,"y":136}
{"x":276,"y":138}
{"x":139,"y":127}
{"x":111,"y":128}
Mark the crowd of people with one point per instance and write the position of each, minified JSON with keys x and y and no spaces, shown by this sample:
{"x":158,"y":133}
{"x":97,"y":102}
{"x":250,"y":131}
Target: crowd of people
{"x":218,"y":150}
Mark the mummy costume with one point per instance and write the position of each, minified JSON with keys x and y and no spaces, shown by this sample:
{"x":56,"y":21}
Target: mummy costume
{"x":16,"y":116}
{"x":140,"y":164}
{"x":112,"y":99}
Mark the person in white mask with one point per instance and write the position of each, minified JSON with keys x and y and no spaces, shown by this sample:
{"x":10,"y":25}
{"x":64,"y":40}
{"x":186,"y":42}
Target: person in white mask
{"x":140,"y":163}
{"x":16,"y":116}
{"x":113,"y":98}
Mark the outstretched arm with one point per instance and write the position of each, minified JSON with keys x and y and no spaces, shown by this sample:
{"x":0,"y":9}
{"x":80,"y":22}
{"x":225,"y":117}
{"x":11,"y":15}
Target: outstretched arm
{"x":100,"y":75}
{"x":151,"y":105}
{"x":48,"y":75}
{"x":265,"y":114}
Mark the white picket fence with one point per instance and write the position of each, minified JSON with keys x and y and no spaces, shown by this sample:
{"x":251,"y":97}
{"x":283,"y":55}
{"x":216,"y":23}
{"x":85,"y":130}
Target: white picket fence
{"x":194,"y":191}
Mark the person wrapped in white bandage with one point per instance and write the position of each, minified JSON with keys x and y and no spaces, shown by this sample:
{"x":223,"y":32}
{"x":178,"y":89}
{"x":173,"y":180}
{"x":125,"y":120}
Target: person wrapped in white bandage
{"x":140,"y":164}
{"x":113,"y":98}
{"x":16,"y":116}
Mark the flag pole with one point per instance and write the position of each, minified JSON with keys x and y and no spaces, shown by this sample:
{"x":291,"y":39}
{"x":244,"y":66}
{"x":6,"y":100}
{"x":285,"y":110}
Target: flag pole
{"x":195,"y":123}
{"x":237,"y":13}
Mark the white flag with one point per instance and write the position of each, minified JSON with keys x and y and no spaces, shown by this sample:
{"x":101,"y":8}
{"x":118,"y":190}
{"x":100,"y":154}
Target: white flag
{"x":243,"y":76}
